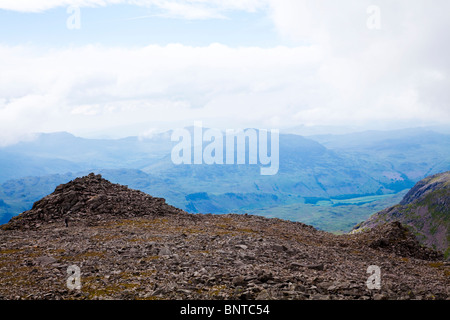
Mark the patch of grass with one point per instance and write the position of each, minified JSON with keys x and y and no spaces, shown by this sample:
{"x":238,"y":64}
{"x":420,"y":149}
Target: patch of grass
{"x":147,"y":273}
{"x":140,"y":223}
{"x":19,"y":277}
{"x":149,"y":258}
{"x":10,"y":251}
{"x":151,"y":298}
{"x":215,"y":290}
{"x":435,"y":264}
{"x":226,"y":220}
{"x":93,"y":287}
{"x":226,"y":233}
{"x":246,"y":230}
{"x":222,"y":226}
{"x":105,"y":237}
{"x":137,"y":240}
{"x":205,"y":252}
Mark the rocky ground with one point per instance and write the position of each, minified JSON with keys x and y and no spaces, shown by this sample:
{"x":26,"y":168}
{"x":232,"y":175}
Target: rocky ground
{"x":129,"y":245}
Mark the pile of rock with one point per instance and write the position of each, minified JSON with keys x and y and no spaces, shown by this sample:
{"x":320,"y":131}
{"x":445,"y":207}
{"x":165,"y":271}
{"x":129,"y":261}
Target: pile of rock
{"x":396,"y":238}
{"x":90,"y":199}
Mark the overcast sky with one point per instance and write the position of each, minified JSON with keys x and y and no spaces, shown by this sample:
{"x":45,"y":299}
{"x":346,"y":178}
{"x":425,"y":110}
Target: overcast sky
{"x":128,"y":67}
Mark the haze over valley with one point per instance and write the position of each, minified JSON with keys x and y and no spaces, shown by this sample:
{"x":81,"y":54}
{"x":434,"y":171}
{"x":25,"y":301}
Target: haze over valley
{"x":332,"y":182}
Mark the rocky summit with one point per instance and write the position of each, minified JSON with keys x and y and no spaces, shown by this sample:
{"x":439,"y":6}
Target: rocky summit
{"x":129,"y":245}
{"x":90,"y":200}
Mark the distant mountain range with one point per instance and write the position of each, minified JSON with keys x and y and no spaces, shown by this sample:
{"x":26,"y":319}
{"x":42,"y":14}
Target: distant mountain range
{"x":317,"y":175}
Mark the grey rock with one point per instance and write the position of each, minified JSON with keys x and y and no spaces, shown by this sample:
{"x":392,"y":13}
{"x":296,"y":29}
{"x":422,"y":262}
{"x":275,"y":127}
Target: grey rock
{"x":239,"y":281}
{"x":45,"y":260}
{"x":263,"y":295}
{"x":164,"y":251}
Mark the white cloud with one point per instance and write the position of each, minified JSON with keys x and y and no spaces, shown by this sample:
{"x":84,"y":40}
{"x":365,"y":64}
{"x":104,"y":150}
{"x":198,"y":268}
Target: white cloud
{"x":89,"y":87}
{"x":399,"y":71}
{"x":337,"y":71}
{"x":43,"y":5}
{"x":186,"y":9}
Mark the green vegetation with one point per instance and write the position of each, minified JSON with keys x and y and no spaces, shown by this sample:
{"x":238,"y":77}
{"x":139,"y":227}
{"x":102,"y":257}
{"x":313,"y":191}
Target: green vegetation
{"x":336,"y":219}
{"x":337,"y":214}
{"x":331,"y":182}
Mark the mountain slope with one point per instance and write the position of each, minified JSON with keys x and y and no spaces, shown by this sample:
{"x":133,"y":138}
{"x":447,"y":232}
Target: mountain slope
{"x":425,"y":209}
{"x":129,"y":245}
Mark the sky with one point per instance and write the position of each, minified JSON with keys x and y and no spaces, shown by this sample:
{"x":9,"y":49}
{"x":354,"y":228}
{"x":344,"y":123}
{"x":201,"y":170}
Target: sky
{"x":114,"y":68}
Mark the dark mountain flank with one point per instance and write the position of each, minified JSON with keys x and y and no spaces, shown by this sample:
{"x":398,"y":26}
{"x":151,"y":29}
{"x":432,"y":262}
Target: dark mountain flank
{"x":425,"y":210}
{"x":129,"y":245}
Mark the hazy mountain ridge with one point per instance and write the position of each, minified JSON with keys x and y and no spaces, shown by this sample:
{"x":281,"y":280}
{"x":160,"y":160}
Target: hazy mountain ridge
{"x":310,"y":172}
{"x":415,"y":153}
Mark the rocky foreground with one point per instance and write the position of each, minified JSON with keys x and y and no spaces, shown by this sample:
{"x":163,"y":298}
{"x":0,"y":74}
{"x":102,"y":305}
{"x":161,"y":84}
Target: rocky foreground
{"x":129,"y":245}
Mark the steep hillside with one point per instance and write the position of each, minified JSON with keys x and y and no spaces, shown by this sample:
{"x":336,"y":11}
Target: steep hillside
{"x":425,"y":209}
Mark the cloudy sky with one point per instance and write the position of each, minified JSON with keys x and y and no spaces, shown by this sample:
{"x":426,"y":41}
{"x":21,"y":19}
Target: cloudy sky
{"x":128,"y":67}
